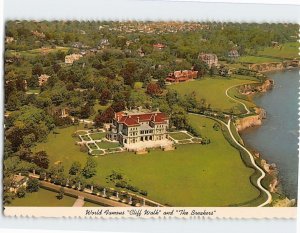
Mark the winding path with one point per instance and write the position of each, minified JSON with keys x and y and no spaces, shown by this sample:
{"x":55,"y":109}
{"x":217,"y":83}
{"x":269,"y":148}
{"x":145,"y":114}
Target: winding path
{"x":235,"y":100}
{"x":263,"y":174}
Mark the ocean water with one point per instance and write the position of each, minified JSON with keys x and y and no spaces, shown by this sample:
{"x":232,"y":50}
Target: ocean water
{"x":277,"y":139}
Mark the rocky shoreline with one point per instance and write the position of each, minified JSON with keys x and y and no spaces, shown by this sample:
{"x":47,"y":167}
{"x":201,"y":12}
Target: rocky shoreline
{"x":256,"y":119}
{"x":274,"y":66}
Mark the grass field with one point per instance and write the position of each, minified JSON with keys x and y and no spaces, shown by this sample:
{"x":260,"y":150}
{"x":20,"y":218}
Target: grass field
{"x":98,"y":136}
{"x":191,"y":175}
{"x":36,"y":52}
{"x":213,"y":91}
{"x":43,"y":198}
{"x":107,"y":145}
{"x":257,"y":59}
{"x":179,"y":136}
{"x":285,"y":51}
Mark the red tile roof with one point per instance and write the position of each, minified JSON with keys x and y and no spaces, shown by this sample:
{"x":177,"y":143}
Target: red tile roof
{"x":132,"y":120}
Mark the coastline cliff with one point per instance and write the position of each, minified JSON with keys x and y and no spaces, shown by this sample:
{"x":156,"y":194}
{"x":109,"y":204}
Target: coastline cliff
{"x":274,"y":66}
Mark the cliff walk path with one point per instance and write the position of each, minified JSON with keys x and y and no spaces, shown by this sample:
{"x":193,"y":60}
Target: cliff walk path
{"x":235,"y":100}
{"x":263,"y":174}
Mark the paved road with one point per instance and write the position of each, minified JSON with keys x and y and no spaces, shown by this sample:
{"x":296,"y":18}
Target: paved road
{"x":75,"y":193}
{"x":263,"y":174}
{"x":235,"y":100}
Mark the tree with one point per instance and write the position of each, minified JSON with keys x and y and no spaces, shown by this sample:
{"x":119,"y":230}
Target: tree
{"x":37,"y":69}
{"x":89,"y":169}
{"x":61,"y":193}
{"x":104,"y":117}
{"x":201,"y":67}
{"x":105,"y":96}
{"x":153,"y":89}
{"x":28,"y":140}
{"x":32,"y":185}
{"x":21,"y":193}
{"x":75,"y":168}
{"x":41,"y":159}
{"x":178,"y":117}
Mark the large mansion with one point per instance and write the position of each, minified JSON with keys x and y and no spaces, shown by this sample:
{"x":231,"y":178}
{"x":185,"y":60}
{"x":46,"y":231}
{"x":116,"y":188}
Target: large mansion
{"x":133,"y":126}
{"x":209,"y":58}
{"x":181,"y":76}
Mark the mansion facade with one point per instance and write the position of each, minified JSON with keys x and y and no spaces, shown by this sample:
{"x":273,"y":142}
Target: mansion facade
{"x":133,"y":126}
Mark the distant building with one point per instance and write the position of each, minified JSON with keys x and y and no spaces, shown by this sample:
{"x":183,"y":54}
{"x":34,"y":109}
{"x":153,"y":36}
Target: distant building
{"x":134,"y":126}
{"x":69,"y":59}
{"x":9,"y":39}
{"x":233,"y":54}
{"x":209,"y":58}
{"x":181,"y":76}
{"x":38,"y":34}
{"x":43,"y":79}
{"x":159,"y":46}
{"x":103,"y":43}
{"x":18,"y":182}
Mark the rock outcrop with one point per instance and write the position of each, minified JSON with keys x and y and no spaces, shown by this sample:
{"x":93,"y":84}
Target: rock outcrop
{"x":249,"y":121}
{"x":285,"y":203}
{"x":273,"y":66}
{"x":249,"y":89}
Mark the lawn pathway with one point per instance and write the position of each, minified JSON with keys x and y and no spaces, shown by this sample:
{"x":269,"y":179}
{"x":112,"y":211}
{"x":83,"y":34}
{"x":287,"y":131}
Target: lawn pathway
{"x":226,"y":92}
{"x":263,"y":174}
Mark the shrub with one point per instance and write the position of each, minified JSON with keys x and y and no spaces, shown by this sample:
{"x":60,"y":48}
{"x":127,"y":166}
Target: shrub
{"x":32,"y":185}
{"x":143,"y":192}
{"x":21,"y":192}
{"x":121,"y":184}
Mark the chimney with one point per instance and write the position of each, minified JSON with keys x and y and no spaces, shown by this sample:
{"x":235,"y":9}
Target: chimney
{"x":138,"y":119}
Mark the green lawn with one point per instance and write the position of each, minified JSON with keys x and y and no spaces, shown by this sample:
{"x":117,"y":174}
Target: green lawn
{"x":179,"y":136}
{"x":98,"y":136}
{"x":285,"y":51}
{"x":213,"y":91}
{"x":85,"y":138}
{"x":61,"y":147}
{"x":257,"y":59}
{"x":36,"y":52}
{"x":43,"y":198}
{"x":191,"y":175}
{"x":107,"y":145}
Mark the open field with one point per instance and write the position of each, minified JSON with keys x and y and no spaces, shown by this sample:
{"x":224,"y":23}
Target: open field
{"x":213,"y":91}
{"x":61,"y":147}
{"x":257,"y":59}
{"x":43,"y":198}
{"x":285,"y":51}
{"x":36,"y":52}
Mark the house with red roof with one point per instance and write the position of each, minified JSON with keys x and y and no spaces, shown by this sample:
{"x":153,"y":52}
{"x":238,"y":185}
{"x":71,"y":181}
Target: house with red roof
{"x":181,"y":76}
{"x":137,"y":125}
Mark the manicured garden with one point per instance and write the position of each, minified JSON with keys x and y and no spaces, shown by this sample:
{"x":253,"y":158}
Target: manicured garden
{"x":107,"y":144}
{"x":191,"y":175}
{"x":98,"y":136}
{"x":213,"y":91}
{"x":179,"y":135}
